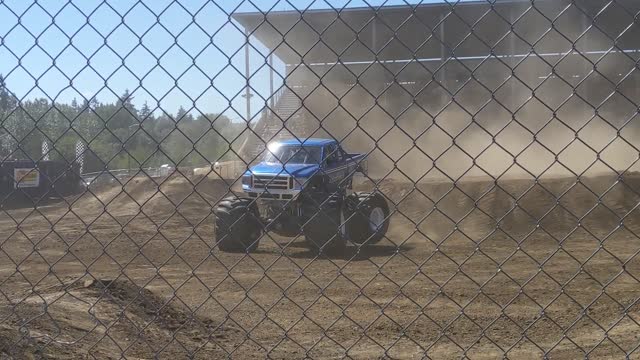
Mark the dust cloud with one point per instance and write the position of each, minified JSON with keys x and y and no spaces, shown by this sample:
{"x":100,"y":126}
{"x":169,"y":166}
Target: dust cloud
{"x":572,"y":115}
{"x":520,"y":132}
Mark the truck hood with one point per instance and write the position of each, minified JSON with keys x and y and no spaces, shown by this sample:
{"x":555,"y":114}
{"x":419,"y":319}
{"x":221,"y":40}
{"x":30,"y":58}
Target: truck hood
{"x":297,"y":170}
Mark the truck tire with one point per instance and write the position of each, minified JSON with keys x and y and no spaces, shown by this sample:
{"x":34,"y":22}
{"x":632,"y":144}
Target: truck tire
{"x":238,"y":226}
{"x":367,"y":217}
{"x":322,"y":230}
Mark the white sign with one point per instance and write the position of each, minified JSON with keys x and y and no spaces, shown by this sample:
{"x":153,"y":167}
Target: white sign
{"x":26,"y":178}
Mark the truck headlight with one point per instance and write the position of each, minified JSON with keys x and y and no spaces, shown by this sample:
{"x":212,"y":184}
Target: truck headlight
{"x":300,"y":182}
{"x":247,"y":180}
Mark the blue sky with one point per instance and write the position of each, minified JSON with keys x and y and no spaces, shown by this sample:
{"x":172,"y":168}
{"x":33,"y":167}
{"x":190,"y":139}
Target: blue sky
{"x":166,"y":53}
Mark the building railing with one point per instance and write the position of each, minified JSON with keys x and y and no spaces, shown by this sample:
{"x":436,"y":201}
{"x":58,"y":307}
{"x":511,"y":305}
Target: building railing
{"x":262,"y":123}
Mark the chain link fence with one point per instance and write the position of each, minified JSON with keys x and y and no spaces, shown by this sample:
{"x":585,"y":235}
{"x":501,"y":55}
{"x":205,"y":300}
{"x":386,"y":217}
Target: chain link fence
{"x":319,"y":179}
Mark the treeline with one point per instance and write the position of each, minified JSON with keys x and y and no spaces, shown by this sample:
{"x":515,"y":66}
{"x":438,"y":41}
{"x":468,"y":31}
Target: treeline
{"x":116,"y":135}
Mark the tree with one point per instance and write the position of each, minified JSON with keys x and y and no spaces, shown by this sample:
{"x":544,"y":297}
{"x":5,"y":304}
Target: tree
{"x":106,"y":127}
{"x":121,"y":115}
{"x":7,"y":106}
{"x":8,"y":101}
{"x":183,"y":117}
{"x":145,"y":113}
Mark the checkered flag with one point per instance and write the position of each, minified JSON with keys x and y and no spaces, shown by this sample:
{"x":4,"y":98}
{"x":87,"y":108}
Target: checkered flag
{"x":45,"y":150}
{"x":80,"y":148}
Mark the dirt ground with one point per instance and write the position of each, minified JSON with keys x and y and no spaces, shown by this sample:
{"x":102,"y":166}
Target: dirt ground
{"x":480,"y":269}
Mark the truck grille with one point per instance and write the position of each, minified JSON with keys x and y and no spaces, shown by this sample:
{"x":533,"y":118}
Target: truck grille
{"x":271,"y":182}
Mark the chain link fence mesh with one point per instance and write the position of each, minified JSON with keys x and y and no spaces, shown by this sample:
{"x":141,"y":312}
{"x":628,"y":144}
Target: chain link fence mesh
{"x":477,"y":195}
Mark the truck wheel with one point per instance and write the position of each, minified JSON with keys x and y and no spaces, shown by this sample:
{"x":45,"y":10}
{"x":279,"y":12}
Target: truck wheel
{"x":322,"y":230}
{"x":238,"y":226}
{"x":368,"y":217}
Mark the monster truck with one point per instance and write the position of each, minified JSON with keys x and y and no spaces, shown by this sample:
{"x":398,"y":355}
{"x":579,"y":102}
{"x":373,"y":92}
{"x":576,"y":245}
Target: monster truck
{"x":302,"y":187}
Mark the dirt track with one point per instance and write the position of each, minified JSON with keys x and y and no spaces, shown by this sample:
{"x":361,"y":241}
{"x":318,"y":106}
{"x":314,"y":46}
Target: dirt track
{"x":137,"y":272}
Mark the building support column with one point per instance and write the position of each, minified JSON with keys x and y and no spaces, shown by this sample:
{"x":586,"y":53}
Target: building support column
{"x":247,"y":70}
{"x":380,"y":82}
{"x":271,"y":101}
{"x":513,"y":61}
{"x":586,"y":46}
{"x":442,"y":78}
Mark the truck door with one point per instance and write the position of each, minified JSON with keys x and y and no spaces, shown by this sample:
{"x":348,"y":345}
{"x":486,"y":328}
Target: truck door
{"x":335,"y":169}
{"x":350,"y":166}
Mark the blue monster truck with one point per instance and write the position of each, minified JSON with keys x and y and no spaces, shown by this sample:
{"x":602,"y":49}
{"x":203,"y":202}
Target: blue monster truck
{"x":302,"y":187}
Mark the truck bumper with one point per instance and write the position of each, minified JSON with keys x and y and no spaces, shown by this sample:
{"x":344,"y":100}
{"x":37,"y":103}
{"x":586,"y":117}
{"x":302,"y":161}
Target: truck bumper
{"x":284,"y":195}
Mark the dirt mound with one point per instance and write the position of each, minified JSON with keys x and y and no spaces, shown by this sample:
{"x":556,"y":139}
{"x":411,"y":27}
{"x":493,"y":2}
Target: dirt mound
{"x":14,"y":345}
{"x":142,"y":303}
{"x":108,"y":317}
{"x":153,"y":197}
{"x":187,"y":194}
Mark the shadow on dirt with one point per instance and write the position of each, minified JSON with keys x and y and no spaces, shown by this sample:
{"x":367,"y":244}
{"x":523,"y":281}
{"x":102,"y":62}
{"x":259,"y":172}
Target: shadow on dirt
{"x":25,"y":202}
{"x":351,"y":253}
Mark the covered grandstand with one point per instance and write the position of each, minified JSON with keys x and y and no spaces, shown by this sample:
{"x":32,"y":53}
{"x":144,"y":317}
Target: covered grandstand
{"x":452,"y":81}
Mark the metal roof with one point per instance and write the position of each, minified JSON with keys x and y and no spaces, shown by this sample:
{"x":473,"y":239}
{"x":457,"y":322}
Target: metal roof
{"x":435,"y":30}
{"x":309,"y":141}
{"x":385,"y":8}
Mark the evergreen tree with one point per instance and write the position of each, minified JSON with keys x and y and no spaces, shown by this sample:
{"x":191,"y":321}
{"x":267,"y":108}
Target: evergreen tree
{"x":8,"y":104}
{"x":8,"y":101}
{"x":145,"y":113}
{"x":104,"y":127}
{"x":184,"y":117}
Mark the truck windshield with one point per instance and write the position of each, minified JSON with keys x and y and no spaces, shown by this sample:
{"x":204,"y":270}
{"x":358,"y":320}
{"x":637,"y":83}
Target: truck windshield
{"x":292,"y":154}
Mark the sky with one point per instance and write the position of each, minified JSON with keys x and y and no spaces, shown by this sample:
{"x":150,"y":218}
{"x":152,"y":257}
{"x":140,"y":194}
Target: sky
{"x":164,"y":52}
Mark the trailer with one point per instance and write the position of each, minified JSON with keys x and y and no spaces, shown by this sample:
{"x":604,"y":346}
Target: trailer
{"x":37,"y":180}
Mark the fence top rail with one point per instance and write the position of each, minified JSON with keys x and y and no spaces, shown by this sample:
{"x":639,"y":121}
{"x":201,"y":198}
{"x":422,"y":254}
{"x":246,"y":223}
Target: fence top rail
{"x":458,"y":179}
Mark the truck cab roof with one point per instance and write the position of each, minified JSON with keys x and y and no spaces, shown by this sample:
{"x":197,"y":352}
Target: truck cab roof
{"x":309,"y":142}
